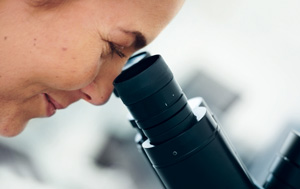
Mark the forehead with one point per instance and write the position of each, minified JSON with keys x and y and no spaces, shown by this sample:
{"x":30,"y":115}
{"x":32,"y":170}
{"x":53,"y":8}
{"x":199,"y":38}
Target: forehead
{"x":147,"y":17}
{"x":139,"y":16}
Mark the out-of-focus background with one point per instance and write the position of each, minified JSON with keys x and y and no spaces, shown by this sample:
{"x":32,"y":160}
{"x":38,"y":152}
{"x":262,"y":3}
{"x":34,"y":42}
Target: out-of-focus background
{"x":241,"y":56}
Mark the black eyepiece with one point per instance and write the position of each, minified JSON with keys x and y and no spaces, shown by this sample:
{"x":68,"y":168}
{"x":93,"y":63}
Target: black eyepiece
{"x":153,"y":97}
{"x":142,"y":79}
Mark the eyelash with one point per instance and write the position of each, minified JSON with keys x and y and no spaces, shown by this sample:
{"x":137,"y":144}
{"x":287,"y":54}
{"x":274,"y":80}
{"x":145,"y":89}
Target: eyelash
{"x":115,"y":49}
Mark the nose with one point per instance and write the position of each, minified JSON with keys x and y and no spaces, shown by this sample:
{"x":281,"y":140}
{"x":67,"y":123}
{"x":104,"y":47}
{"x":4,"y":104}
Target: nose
{"x":99,"y":90}
{"x":97,"y":93}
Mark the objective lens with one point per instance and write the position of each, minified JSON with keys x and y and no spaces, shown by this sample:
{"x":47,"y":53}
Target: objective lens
{"x":285,"y":170}
{"x":154,"y":98}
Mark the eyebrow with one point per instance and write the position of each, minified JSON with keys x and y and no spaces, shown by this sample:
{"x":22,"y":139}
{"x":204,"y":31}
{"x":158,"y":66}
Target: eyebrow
{"x":140,"y":40}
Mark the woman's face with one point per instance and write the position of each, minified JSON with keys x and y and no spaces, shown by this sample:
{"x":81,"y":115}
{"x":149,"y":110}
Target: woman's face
{"x":50,"y":58}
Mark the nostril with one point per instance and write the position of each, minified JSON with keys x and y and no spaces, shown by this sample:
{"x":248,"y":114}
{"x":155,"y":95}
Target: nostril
{"x":88,"y":97}
{"x":94,"y":95}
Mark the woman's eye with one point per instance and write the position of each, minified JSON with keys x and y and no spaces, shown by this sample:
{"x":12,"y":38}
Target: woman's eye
{"x":116,"y":49}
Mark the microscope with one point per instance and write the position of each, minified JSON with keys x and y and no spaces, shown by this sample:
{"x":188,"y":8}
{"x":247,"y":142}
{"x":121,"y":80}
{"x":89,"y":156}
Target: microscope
{"x":182,"y":138}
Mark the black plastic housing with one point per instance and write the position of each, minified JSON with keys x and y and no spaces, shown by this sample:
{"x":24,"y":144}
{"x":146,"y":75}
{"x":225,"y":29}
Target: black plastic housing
{"x":185,"y":145}
{"x":198,"y":158}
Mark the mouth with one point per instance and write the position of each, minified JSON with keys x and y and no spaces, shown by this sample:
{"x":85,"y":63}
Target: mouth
{"x":52,"y":105}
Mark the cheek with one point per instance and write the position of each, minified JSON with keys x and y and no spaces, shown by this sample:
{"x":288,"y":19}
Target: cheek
{"x":70,"y":67}
{"x":72,"y":74}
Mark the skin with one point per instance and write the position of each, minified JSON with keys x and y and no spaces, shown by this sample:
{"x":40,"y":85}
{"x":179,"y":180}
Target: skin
{"x":64,"y":53}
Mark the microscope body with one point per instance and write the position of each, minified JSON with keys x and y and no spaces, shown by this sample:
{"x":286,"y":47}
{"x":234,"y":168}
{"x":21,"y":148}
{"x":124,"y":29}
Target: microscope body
{"x":183,"y":141}
{"x":200,"y":156}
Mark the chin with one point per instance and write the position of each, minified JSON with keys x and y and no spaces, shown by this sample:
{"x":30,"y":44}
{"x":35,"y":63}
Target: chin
{"x":12,"y":129}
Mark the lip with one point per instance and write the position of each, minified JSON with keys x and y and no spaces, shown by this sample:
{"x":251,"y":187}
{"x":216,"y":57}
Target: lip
{"x":52,"y":105}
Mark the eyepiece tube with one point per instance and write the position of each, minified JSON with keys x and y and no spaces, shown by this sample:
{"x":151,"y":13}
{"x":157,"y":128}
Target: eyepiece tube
{"x":155,"y":100}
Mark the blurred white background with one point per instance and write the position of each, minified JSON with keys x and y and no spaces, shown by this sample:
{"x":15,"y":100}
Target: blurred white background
{"x":250,"y":47}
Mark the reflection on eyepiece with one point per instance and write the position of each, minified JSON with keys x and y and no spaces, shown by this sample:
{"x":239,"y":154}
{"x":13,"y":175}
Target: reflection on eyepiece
{"x":135,"y":59}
